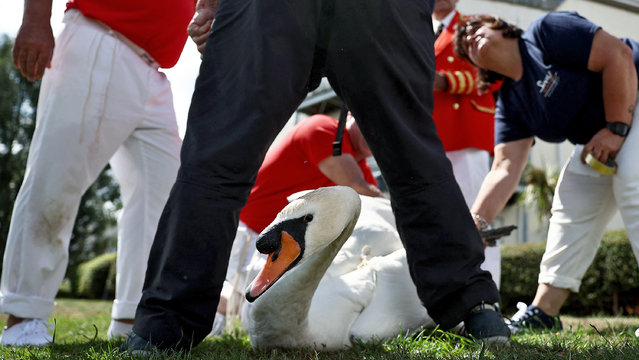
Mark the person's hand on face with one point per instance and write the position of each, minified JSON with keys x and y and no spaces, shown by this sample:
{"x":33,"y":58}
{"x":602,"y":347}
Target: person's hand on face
{"x":480,"y":44}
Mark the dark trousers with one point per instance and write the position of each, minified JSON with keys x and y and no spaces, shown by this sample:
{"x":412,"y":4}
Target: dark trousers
{"x":259,"y":61}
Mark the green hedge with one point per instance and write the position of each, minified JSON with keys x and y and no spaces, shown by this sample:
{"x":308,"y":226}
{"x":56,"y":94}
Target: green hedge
{"x":610,"y":285}
{"x":96,"y":277}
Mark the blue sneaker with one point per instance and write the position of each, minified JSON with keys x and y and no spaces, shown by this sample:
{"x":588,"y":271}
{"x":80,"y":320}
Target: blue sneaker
{"x":532,"y":318}
{"x":135,"y":345}
{"x":484,"y":323}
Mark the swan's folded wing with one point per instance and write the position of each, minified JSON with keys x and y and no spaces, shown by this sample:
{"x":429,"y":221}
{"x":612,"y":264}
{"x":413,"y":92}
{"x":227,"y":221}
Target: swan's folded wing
{"x":337,"y":303}
{"x":375,"y":234}
{"x":395,"y":307}
{"x":365,"y":243}
{"x":381,"y":207}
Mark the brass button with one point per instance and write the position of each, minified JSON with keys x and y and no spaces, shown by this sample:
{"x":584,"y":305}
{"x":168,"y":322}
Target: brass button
{"x":450,"y":59}
{"x":456,"y":106}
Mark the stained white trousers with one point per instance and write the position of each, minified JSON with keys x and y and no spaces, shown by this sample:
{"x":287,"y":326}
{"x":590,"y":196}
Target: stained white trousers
{"x":470,"y":167}
{"x":584,"y":203}
{"x":99,"y":103}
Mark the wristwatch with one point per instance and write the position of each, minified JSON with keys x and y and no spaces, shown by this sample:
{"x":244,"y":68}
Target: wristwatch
{"x":618,"y":128}
{"x":482,"y":222}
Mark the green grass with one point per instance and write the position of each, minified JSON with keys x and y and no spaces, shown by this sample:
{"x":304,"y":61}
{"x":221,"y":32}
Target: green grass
{"x":81,"y":334}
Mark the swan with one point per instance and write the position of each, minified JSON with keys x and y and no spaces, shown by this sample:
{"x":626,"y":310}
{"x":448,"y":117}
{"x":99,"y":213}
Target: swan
{"x":306,"y":296}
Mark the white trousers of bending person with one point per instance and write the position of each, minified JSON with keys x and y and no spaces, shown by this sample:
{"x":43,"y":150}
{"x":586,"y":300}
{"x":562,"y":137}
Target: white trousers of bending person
{"x":584,"y":203}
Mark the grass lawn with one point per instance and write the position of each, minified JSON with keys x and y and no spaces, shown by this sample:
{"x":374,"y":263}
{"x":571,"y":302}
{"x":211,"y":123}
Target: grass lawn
{"x":81,"y":327}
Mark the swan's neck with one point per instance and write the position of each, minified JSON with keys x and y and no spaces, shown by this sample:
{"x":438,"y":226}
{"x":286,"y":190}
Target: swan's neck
{"x":280,"y":316}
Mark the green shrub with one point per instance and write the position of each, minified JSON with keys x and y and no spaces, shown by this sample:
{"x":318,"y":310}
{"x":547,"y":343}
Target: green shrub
{"x":609,"y":285}
{"x":519,"y":273}
{"x":65,"y":290}
{"x":96,"y":277}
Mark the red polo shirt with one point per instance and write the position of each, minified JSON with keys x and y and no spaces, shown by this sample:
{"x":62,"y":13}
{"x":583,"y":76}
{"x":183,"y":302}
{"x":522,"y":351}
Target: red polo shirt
{"x":290,"y":166}
{"x":157,"y":26}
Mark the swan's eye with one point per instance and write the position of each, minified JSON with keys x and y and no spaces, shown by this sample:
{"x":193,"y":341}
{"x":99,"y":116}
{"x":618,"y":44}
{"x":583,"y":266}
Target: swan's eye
{"x":308,"y":218}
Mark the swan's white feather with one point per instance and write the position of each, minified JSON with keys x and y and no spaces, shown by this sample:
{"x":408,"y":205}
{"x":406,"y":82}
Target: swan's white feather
{"x":395,"y":307}
{"x":336,"y":306}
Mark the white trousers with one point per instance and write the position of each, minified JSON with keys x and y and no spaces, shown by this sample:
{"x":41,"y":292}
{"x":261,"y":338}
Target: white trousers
{"x":245,"y":262}
{"x":470,"y":167}
{"x":584,"y":202}
{"x":99,"y":103}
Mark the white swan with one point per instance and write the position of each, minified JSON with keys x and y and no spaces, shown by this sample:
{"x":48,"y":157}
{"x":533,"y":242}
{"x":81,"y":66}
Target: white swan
{"x":298,"y":303}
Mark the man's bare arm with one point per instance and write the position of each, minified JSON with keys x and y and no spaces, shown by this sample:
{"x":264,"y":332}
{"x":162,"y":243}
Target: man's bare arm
{"x":343,"y":170}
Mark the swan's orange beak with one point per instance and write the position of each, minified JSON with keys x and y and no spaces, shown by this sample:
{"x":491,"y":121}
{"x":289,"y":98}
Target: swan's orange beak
{"x":275,"y":266}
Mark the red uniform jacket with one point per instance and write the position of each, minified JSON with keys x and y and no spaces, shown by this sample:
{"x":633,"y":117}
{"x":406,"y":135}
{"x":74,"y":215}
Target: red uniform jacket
{"x":463,"y":118}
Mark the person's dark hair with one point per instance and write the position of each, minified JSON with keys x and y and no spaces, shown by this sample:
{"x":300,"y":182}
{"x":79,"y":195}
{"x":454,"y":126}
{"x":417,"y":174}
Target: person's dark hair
{"x":484,"y":77}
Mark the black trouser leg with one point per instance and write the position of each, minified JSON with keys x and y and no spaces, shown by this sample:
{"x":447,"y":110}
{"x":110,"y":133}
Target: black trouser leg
{"x":253,"y":75}
{"x":381,"y":62}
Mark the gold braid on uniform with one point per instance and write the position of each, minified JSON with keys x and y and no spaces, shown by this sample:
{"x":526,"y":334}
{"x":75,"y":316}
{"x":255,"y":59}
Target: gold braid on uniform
{"x":460,"y":82}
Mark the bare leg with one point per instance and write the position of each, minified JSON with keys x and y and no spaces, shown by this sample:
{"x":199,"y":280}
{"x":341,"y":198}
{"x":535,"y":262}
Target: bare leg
{"x":13,"y":320}
{"x":550,"y":298}
{"x":221,"y":306}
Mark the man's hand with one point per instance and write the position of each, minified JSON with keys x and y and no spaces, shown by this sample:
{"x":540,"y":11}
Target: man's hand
{"x":603,"y":145}
{"x":200,"y":26}
{"x":344,"y":170}
{"x":440,"y":82}
{"x":33,"y":49}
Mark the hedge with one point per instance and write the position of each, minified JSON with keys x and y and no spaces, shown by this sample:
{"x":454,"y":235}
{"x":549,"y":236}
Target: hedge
{"x":610,"y":285}
{"x":96,"y":277}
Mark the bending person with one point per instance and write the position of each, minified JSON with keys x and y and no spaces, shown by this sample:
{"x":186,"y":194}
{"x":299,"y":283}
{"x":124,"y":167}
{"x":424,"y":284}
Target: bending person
{"x":564,"y":78}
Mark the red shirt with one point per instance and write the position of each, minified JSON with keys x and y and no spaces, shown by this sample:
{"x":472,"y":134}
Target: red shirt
{"x":157,"y":26}
{"x":290,"y":166}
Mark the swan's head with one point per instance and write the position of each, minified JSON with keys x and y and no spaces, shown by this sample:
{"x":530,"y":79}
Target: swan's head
{"x":306,"y":225}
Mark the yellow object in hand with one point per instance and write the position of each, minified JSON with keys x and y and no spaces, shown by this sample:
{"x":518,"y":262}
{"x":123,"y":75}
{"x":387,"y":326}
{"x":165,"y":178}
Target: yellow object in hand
{"x":609,"y":168}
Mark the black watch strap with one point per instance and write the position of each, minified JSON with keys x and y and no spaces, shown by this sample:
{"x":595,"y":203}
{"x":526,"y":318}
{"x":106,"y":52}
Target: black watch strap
{"x":618,"y":128}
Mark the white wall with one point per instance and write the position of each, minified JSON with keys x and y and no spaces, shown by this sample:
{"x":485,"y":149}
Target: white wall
{"x":617,"y":21}
{"x":519,"y":15}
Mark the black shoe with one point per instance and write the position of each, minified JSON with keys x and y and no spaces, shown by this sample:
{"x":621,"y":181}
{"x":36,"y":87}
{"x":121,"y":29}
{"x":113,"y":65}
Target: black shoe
{"x":135,"y":345}
{"x":484,"y":323}
{"x":534,"y":319}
